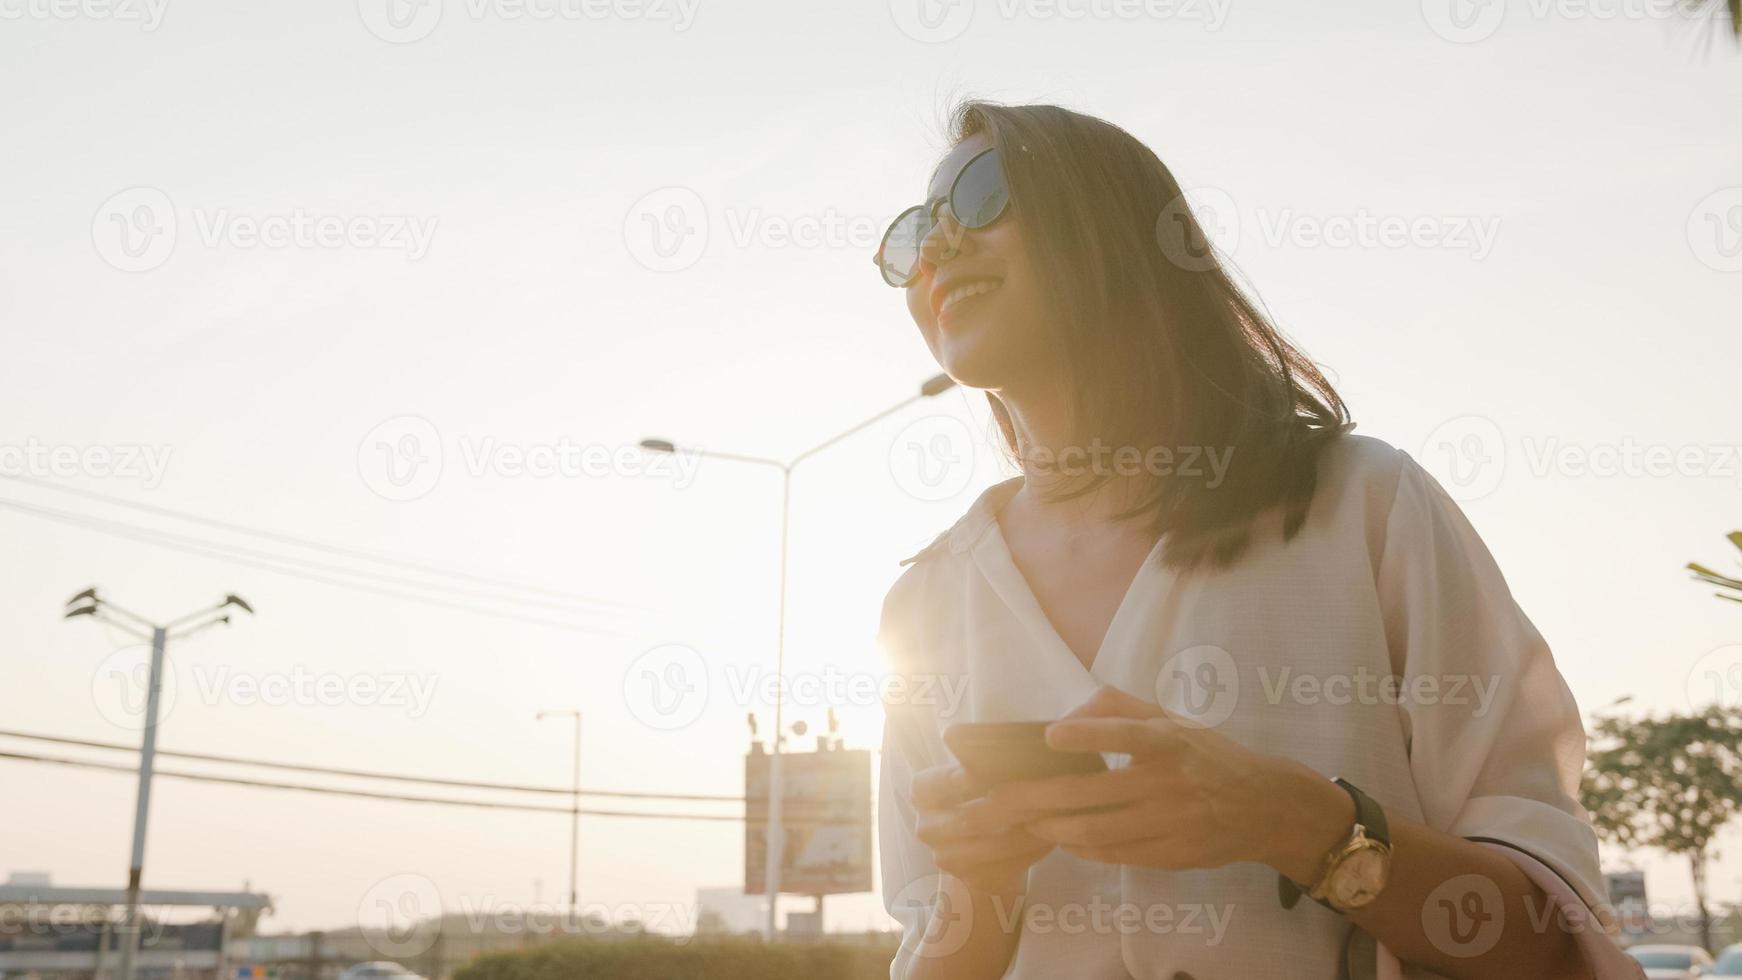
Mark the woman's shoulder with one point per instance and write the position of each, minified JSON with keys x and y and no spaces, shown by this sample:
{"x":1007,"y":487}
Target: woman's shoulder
{"x":1361,"y":473}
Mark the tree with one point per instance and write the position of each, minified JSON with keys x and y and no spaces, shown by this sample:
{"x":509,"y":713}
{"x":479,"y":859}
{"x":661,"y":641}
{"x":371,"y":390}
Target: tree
{"x":1668,"y":783}
{"x":1710,"y":577}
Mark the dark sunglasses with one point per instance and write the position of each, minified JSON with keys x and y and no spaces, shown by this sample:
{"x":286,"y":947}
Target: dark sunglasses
{"x":978,"y":196}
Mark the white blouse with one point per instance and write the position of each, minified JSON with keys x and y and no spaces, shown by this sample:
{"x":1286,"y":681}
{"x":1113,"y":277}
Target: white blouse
{"x":1299,"y":651}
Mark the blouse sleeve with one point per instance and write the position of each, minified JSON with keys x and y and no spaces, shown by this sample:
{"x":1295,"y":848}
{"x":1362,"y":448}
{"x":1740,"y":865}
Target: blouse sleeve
{"x":1496,"y":744}
{"x":910,"y":880}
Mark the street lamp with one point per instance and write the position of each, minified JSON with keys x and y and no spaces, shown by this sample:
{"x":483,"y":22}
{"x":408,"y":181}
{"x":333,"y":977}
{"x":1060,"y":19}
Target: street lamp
{"x":88,"y":603}
{"x":776,"y":839}
{"x":575,"y":804}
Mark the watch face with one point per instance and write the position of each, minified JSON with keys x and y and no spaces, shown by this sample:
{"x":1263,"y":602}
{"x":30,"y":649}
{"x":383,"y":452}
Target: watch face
{"x":1360,"y":877}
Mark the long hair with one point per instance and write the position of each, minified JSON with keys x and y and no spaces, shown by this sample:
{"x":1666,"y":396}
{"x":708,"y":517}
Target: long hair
{"x":1158,"y":345}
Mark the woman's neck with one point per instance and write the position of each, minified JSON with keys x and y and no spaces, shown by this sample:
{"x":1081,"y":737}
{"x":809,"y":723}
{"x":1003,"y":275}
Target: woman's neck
{"x":1053,"y":456}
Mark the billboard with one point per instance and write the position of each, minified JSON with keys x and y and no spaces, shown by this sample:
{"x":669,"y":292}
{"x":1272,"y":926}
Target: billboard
{"x":826,"y":818}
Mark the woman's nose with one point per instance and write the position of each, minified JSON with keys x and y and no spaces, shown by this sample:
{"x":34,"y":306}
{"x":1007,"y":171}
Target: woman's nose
{"x":946,"y":239}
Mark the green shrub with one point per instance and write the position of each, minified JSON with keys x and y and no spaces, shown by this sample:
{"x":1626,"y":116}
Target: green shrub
{"x":650,"y":958}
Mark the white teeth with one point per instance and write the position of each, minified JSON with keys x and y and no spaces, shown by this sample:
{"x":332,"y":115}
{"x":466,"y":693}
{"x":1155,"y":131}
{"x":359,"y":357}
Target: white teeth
{"x":975,"y":288}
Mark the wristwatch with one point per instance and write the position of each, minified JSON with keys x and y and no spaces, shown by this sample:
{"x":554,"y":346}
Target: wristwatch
{"x":1354,"y":872}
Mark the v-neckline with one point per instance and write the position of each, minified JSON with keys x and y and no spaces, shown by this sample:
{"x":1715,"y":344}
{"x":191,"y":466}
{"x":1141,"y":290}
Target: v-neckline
{"x":999,"y":565}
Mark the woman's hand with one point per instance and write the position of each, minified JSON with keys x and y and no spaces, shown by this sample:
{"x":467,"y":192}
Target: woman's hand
{"x":974,"y":840}
{"x":1190,"y":798}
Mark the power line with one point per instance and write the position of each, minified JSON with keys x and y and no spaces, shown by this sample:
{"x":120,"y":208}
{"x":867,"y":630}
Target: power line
{"x":364,"y":794}
{"x":177,"y":543}
{"x":313,"y":544}
{"x":364,"y":774}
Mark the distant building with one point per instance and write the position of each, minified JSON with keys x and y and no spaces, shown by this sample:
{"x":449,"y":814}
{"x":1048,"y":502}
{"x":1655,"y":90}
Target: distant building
{"x":728,"y":912}
{"x":54,"y":932}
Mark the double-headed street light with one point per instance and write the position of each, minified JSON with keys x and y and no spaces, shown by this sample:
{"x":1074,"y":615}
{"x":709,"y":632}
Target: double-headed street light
{"x":774,"y":847}
{"x":88,"y":603}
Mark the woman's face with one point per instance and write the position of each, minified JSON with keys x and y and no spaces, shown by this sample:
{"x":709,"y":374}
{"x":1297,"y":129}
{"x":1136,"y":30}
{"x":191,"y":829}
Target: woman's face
{"x":992,"y":340}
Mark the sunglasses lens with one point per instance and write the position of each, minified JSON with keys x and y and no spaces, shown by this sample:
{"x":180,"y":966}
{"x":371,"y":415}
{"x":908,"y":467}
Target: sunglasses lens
{"x":980,"y":194}
{"x":901,"y":243}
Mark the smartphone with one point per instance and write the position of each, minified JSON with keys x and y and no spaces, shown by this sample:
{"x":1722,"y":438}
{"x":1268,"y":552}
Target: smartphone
{"x":1000,"y":752}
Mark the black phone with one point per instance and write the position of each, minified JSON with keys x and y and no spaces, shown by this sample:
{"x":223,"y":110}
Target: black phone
{"x":1001,"y":752}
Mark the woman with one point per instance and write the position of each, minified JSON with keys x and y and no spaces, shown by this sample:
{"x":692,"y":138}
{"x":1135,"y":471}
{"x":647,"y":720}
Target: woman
{"x":1224,"y":591}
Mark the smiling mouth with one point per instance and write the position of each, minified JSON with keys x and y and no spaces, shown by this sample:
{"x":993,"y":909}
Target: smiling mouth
{"x":965,"y":295}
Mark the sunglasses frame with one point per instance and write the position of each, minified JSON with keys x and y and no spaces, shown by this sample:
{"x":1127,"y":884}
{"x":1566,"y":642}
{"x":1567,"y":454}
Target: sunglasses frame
{"x":930,"y":209}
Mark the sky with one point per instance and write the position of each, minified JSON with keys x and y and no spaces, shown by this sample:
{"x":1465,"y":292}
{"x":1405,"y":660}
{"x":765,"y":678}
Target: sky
{"x":354,"y":273}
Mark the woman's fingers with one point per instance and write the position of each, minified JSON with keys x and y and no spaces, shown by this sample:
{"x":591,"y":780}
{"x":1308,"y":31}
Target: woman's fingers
{"x":1032,"y":797}
{"x":1124,"y":825}
{"x":976,"y":818}
{"x":1130,"y":736}
{"x":943,"y":787}
{"x":1014,"y":848}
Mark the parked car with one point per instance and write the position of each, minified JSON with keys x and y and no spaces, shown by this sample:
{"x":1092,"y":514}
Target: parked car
{"x":1666,"y":962}
{"x":380,"y":970}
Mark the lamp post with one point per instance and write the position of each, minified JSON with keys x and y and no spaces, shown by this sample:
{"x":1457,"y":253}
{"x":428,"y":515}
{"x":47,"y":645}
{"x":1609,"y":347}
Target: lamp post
{"x":574,"y":806}
{"x":775,"y":841}
{"x":88,"y":603}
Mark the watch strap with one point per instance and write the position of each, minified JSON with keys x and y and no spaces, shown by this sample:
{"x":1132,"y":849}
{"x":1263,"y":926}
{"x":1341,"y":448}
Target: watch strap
{"x":1369,"y":815}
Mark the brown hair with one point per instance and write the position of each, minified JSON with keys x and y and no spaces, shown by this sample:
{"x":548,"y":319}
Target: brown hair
{"x":1159,"y":346}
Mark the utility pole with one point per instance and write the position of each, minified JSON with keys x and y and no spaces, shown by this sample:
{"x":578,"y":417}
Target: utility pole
{"x":87,"y":603}
{"x":574,"y":805}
